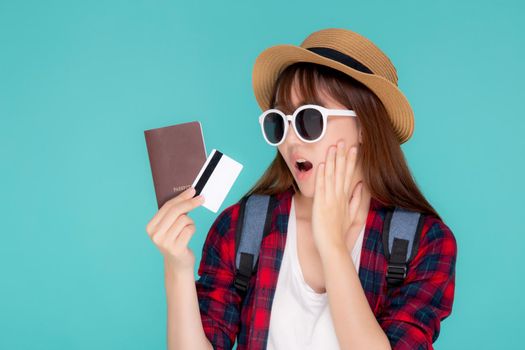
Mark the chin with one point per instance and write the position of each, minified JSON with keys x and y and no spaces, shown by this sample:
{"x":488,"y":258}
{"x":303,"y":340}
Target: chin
{"x":306,"y":190}
{"x":306,"y":186}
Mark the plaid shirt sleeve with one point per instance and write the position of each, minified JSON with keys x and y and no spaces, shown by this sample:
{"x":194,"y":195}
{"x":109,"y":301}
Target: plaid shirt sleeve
{"x":413,"y":311}
{"x":219,"y":302}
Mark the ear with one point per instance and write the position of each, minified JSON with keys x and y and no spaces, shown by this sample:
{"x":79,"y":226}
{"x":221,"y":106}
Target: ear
{"x":360,"y":136}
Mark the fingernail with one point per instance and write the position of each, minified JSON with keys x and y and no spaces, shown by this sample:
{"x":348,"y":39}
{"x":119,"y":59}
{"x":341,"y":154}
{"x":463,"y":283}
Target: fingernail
{"x":341,"y":144}
{"x":354,"y":150}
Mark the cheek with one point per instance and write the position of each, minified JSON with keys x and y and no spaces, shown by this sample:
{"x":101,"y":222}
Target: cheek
{"x":340,"y":130}
{"x":284,"y":156}
{"x":281,"y":153}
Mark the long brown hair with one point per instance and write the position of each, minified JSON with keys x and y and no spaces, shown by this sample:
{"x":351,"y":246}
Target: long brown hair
{"x":383,"y":163}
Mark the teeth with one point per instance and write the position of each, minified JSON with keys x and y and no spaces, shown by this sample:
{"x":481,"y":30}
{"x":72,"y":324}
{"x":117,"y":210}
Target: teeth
{"x":301,"y":160}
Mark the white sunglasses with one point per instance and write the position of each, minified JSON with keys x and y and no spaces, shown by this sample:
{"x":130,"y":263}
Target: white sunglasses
{"x":309,"y":123}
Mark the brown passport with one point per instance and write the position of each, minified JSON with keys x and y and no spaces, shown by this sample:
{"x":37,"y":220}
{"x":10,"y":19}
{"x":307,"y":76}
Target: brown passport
{"x":176,"y":155}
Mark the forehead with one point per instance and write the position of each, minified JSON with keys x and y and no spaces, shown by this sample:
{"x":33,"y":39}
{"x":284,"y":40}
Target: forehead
{"x":297,"y":94}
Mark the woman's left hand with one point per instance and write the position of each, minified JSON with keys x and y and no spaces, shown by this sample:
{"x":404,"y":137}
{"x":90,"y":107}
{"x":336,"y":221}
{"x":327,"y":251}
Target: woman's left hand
{"x":335,"y":203}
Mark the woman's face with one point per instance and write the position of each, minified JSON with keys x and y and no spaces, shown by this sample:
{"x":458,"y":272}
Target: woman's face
{"x":293,"y":148}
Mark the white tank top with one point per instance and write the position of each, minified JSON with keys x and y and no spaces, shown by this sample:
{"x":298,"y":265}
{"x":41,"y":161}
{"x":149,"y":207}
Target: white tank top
{"x":300,"y":317}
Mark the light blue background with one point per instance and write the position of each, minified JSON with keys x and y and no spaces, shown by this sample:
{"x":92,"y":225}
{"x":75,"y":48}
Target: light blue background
{"x":81,"y":80}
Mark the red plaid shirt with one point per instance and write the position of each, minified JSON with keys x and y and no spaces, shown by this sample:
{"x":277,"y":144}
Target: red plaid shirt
{"x":409,"y":314}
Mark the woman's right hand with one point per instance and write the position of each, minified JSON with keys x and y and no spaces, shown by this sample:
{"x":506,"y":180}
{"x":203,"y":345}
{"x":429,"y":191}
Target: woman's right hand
{"x":171,"y":229}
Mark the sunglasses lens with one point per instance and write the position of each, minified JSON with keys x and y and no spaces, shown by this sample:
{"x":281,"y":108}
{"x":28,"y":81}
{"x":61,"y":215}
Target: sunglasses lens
{"x":273,"y":125}
{"x":309,"y":123}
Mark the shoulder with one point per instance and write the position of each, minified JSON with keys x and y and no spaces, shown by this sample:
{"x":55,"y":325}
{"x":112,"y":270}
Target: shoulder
{"x":226,"y":220}
{"x":219,"y":244}
{"x":437,"y":249}
{"x":436,"y":232}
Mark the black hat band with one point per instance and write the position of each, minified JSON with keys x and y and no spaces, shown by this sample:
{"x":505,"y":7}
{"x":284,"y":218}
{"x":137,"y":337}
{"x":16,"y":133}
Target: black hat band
{"x":341,"y":58}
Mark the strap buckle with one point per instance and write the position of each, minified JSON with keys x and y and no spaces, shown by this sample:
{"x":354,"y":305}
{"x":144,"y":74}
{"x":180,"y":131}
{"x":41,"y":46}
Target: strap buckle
{"x":396,"y":272}
{"x":241,"y":281}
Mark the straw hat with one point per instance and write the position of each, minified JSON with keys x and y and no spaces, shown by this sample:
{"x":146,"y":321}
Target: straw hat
{"x":348,"y":52}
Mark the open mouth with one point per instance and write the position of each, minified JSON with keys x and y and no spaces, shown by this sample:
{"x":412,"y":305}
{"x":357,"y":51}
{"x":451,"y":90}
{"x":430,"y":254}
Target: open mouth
{"x":303,"y":165}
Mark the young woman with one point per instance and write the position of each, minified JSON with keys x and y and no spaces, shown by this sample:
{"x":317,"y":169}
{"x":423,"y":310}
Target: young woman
{"x":334,"y":112}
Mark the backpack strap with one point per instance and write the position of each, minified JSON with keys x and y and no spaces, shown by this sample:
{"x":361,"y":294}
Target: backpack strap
{"x":253,"y":222}
{"x":401,"y":233}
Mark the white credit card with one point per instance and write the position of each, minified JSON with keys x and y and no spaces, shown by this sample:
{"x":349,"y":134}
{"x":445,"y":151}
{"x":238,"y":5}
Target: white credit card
{"x":215,"y":179}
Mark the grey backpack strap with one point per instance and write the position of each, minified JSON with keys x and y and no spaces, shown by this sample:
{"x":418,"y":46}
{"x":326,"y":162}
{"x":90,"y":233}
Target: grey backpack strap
{"x":401,"y":232}
{"x":253,"y":222}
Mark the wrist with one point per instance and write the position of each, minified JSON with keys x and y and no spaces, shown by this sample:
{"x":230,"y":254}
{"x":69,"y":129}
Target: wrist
{"x":173,"y":271}
{"x":327,"y":247}
{"x":332,"y":252}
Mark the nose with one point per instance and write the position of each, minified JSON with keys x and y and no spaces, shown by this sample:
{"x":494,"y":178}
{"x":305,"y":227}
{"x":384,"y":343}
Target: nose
{"x":291,"y":137}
